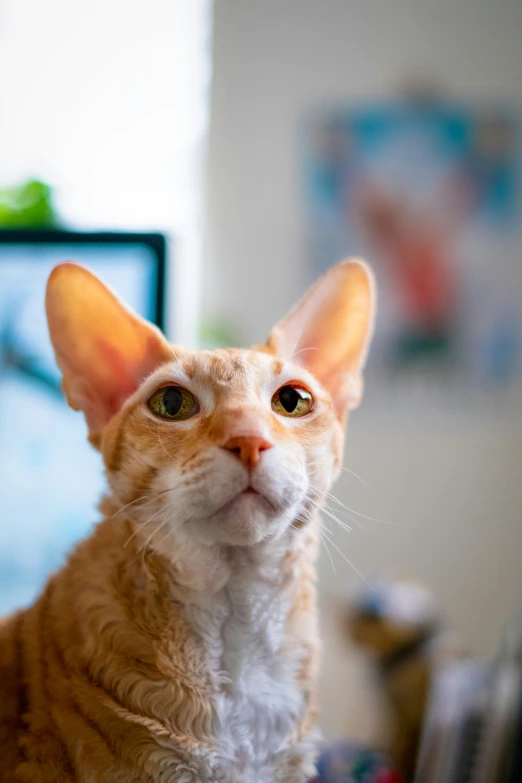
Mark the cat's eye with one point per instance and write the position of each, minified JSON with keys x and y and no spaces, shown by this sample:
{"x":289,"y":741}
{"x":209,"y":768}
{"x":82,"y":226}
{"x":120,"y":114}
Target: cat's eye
{"x":173,"y":403}
{"x":292,"y":401}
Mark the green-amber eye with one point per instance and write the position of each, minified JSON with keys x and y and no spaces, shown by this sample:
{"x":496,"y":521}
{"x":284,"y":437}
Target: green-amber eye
{"x":292,"y":401}
{"x":173,"y":403}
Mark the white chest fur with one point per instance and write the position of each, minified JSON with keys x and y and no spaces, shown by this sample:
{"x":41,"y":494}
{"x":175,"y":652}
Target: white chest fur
{"x":256,"y":660}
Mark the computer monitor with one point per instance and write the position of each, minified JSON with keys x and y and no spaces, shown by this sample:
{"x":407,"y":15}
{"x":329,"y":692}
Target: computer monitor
{"x":51,"y":479}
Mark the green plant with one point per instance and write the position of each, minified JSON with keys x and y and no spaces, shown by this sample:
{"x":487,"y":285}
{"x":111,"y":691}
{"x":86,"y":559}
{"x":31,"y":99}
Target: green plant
{"x":28,"y":205}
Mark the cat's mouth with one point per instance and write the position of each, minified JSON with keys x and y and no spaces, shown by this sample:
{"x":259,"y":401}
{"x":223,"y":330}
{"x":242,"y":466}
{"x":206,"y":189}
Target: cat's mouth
{"x":249,"y":495}
{"x":252,"y":513}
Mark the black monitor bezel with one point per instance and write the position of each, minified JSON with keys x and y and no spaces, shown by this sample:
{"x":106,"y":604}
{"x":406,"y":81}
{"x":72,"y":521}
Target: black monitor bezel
{"x":155,"y":241}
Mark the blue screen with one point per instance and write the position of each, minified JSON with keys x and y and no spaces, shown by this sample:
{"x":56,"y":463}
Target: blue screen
{"x":51,"y":479}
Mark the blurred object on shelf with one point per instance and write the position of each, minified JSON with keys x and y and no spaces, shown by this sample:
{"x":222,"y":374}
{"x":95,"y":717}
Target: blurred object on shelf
{"x":29,"y":205}
{"x":397,"y":623}
{"x":473,"y":728}
{"x":349,"y":762}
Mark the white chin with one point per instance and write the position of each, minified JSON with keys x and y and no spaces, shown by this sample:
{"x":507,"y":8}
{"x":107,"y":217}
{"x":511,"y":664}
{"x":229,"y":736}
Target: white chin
{"x":246,"y":520}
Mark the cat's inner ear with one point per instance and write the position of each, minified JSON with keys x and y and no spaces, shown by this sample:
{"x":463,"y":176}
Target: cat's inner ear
{"x":103,"y":349}
{"x":329,"y":332}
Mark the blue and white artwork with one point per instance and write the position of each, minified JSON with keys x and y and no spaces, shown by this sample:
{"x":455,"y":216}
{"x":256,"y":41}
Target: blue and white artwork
{"x":429,"y":192}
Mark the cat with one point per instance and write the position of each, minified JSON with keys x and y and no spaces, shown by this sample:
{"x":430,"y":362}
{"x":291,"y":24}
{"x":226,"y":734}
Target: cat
{"x":179,"y":642}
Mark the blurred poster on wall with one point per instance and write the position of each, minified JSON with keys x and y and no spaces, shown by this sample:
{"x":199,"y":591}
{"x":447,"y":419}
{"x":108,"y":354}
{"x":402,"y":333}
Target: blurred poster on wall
{"x":429,"y":193}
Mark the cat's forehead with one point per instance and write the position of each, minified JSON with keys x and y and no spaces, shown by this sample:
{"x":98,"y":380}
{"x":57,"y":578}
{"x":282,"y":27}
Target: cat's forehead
{"x":231,"y":367}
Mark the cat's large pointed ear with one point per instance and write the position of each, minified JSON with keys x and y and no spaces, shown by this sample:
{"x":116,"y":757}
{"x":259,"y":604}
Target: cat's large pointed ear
{"x":103,"y":349}
{"x":330,"y":330}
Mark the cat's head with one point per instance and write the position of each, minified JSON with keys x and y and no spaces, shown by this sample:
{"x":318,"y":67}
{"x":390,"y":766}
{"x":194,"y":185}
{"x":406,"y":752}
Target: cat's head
{"x":228,"y":446}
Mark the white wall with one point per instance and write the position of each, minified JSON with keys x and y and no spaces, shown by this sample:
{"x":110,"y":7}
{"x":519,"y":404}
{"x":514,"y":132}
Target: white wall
{"x":453,"y":480}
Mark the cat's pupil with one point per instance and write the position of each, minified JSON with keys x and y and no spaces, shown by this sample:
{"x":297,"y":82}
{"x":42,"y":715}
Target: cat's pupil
{"x":172,"y":400}
{"x":289,"y":398}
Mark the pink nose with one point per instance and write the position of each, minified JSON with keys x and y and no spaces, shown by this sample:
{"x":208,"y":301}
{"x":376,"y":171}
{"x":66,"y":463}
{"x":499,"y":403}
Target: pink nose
{"x":247,"y":448}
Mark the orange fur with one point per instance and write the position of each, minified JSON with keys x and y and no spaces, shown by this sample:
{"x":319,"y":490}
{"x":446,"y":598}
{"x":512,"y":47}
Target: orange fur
{"x":108,"y":676}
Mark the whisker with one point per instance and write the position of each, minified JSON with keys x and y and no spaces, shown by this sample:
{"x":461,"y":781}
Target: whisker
{"x":152,"y":494}
{"x":163,"y":524}
{"x":340,"y":522}
{"x":297,"y":341}
{"x":323,"y":527}
{"x":303,"y":350}
{"x":132,"y":502}
{"x":352,"y":473}
{"x":309,"y":516}
{"x":324,"y":504}
{"x":142,"y":525}
{"x":365,"y":516}
{"x":325,"y":509}
{"x":352,"y":519}
{"x":165,"y":537}
{"x":324,"y":541}
{"x":143,"y":547}
{"x":348,"y":561}
{"x":353,"y":511}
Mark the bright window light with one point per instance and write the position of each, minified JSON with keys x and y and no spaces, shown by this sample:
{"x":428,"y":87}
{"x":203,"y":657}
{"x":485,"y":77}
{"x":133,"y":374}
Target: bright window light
{"x":106,"y":101}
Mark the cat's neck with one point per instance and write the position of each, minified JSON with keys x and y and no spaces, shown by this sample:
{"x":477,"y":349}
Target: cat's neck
{"x":222,"y":615}
{"x":196,"y":569}
{"x":203,"y":570}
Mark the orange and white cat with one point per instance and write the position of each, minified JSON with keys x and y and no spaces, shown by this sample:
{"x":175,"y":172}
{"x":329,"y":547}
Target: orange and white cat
{"x":179,"y":643}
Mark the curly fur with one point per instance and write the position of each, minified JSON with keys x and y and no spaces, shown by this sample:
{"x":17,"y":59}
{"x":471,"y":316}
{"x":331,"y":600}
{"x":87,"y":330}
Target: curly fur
{"x":179,"y":641}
